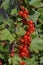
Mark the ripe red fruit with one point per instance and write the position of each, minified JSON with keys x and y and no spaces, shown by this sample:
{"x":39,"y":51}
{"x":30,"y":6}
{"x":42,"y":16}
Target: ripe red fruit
{"x":31,"y":30}
{"x":27,"y":33}
{"x":21,"y":47}
{"x":26,"y":12}
{"x":24,"y":49}
{"x":25,"y":37}
{"x":20,"y":13}
{"x":22,"y":54}
{"x":31,"y":25}
{"x":29,"y":38}
{"x":30,"y":22}
{"x":11,"y":54}
{"x":25,"y":45}
{"x":24,"y":15}
{"x":23,"y":63}
{"x":21,"y":40}
{"x":0,"y":63}
{"x":25,"y":40}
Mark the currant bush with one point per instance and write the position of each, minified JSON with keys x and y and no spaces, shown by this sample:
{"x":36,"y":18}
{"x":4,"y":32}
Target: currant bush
{"x":21,"y":32}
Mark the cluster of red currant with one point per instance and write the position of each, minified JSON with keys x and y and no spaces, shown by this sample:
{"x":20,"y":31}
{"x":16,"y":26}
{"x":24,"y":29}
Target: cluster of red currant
{"x":23,"y":12}
{"x":26,"y":40}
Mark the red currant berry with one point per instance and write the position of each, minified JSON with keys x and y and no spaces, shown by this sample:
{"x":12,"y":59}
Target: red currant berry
{"x":12,"y":55}
{"x":31,"y":30}
{"x":29,"y":38}
{"x":25,"y":37}
{"x":24,"y":15}
{"x":26,"y":12}
{"x":21,"y":40}
{"x":21,"y":47}
{"x":31,"y":25}
{"x":24,"y":49}
{"x":22,"y":54}
{"x":23,"y":63}
{"x":30,"y":22}
{"x":20,"y":13}
{"x":27,"y":33}
{"x":25,"y":45}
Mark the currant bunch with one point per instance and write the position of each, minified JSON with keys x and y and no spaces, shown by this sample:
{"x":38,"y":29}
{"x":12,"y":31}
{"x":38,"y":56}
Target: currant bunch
{"x":23,"y":12}
{"x":31,"y":27}
{"x":26,"y":40}
{"x":24,"y":52}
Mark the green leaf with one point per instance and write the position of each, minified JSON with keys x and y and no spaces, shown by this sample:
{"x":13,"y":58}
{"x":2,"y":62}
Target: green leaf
{"x":36,"y":3}
{"x":5,"y":4}
{"x":20,"y":31}
{"x":1,"y":19}
{"x":35,"y":16}
{"x":36,"y":45}
{"x":41,"y":59}
{"x":1,"y":47}
{"x":6,"y":35}
{"x":13,"y":11}
{"x":1,"y":56}
{"x":14,"y":60}
{"x":26,"y":1}
{"x":34,"y":35}
{"x":1,"y":26}
{"x":41,"y":18}
{"x":40,"y":10}
{"x":31,"y":61}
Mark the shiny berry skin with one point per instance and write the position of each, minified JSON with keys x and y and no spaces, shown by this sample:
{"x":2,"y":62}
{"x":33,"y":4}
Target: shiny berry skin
{"x":11,"y":54}
{"x":21,"y":40}
{"x":25,"y":40}
{"x":25,"y":37}
{"x":24,"y":15}
{"x":24,"y":49}
{"x":27,"y":33}
{"x":30,"y":22}
{"x":31,"y":30}
{"x":20,"y":13}
{"x":22,"y":54}
{"x":26,"y":12}
{"x":22,"y":63}
{"x":31,"y":25}
{"x":25,"y":45}
{"x":21,"y":47}
{"x":29,"y":38}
